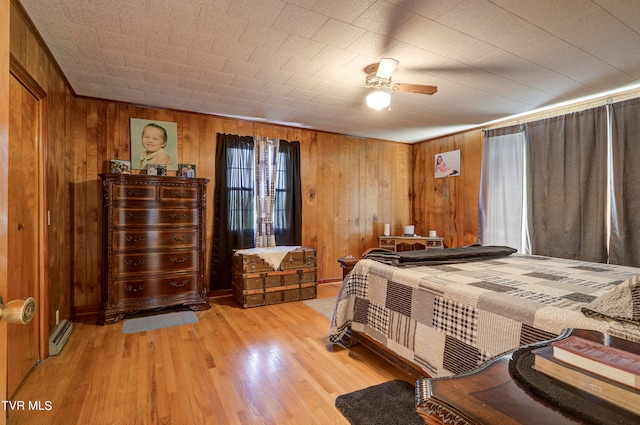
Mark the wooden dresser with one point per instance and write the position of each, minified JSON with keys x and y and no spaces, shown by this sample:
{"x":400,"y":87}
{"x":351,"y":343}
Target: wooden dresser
{"x":409,"y":243}
{"x":153,"y":244}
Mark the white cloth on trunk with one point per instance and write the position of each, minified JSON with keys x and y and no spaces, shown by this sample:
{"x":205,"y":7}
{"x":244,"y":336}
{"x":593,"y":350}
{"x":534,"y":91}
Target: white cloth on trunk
{"x":272,"y":256}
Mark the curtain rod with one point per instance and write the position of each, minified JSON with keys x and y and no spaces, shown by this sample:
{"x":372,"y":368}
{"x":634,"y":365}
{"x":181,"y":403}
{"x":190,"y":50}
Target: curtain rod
{"x":605,"y":99}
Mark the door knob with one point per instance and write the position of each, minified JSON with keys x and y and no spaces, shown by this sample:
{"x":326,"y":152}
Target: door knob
{"x":18,"y":311}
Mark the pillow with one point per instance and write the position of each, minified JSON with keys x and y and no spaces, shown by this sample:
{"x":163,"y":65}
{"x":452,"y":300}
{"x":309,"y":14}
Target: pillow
{"x":621,"y":304}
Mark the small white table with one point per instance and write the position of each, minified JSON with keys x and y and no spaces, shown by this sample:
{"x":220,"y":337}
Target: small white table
{"x":410,"y":243}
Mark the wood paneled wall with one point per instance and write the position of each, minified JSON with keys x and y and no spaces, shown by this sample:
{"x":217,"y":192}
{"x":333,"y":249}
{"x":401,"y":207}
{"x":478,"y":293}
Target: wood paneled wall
{"x":350,"y":186}
{"x":25,"y":47}
{"x":448,"y":205}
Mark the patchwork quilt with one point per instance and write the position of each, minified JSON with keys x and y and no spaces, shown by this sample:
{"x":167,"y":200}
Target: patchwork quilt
{"x":449,"y":318}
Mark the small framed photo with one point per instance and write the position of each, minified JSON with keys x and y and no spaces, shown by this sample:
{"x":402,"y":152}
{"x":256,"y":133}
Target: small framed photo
{"x":187,"y":170}
{"x":447,"y":164}
{"x":156,"y":170}
{"x":119,"y":166}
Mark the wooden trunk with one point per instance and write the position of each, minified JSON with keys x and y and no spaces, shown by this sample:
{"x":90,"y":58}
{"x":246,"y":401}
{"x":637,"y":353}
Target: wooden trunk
{"x":256,"y":283}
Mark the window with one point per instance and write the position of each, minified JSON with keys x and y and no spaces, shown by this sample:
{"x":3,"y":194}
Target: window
{"x":235,"y":202}
{"x":565,"y":209}
{"x":240,"y":188}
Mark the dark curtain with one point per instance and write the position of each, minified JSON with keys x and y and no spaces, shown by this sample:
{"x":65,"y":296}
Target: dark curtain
{"x":233,"y":227}
{"x":234,"y":203}
{"x":625,"y":218}
{"x":568,"y":181}
{"x":288,"y":208}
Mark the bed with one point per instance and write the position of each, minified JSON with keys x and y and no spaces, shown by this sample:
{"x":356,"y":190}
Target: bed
{"x":445,"y":312}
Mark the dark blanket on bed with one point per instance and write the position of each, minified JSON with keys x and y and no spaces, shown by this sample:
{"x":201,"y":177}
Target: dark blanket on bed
{"x":439,"y":256}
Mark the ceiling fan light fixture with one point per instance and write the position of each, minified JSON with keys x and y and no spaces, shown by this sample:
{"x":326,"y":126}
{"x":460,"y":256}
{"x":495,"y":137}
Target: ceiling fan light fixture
{"x":378,"y":99}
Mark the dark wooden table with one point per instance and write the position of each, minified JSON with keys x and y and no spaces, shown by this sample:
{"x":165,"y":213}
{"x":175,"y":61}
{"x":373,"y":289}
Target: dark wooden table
{"x":489,"y":395}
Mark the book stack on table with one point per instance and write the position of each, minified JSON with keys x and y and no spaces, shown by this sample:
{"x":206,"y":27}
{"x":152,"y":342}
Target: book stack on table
{"x":599,"y":369}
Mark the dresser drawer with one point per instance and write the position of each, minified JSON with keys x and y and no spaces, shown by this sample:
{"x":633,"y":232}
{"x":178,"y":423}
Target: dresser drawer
{"x":127,"y":264}
{"x":135,"y":239}
{"x":179,"y":193}
{"x":163,"y":286}
{"x":135,"y":192}
{"x":123,"y":217}
{"x":387,"y":243}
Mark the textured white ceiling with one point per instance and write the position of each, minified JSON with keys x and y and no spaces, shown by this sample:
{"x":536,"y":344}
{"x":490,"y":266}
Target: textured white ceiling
{"x":301,"y":62}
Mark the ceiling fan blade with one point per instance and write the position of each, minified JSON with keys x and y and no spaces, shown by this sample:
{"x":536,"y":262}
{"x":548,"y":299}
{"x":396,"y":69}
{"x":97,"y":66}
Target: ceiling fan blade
{"x":415,"y":88}
{"x":386,"y":68}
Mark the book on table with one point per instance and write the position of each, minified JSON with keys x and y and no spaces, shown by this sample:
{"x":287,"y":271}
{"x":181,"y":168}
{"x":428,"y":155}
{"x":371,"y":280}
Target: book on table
{"x":606,"y":389}
{"x":610,"y":362}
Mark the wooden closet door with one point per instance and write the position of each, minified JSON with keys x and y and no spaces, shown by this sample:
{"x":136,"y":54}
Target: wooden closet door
{"x":23,"y":229}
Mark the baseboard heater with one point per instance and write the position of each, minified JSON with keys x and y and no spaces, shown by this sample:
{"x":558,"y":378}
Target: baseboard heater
{"x":59,"y":337}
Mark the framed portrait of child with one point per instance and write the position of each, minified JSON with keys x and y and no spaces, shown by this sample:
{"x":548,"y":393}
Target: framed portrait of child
{"x":447,"y":164}
{"x":154,"y":142}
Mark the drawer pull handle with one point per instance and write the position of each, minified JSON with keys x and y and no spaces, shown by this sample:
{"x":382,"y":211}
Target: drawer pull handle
{"x":178,"y":217}
{"x":178,"y":284}
{"x":135,"y":192}
{"x":178,"y":238}
{"x":138,"y":216}
{"x":131,"y":262}
{"x":132,"y":288}
{"x":178,"y":260}
{"x":136,"y":239}
{"x":181,"y":194}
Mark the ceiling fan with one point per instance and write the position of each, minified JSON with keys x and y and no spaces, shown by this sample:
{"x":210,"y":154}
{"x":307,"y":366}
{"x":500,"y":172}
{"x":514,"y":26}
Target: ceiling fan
{"x":379,"y":78}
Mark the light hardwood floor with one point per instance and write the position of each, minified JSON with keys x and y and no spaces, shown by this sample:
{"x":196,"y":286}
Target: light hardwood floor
{"x":263,"y":365}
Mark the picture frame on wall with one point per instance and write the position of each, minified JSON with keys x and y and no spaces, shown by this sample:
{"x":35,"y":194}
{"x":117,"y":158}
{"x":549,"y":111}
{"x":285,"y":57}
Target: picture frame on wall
{"x":153,"y":142}
{"x":187,"y":170}
{"x":156,"y":170}
{"x":447,"y":164}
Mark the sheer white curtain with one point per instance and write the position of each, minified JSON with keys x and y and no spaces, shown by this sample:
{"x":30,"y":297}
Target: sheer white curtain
{"x":502,"y":209}
{"x":266,"y":154}
{"x":625,"y":180}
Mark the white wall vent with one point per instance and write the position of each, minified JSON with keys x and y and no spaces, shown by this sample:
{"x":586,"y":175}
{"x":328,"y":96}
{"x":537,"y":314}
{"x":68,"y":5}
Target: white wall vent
{"x":59,"y":337}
